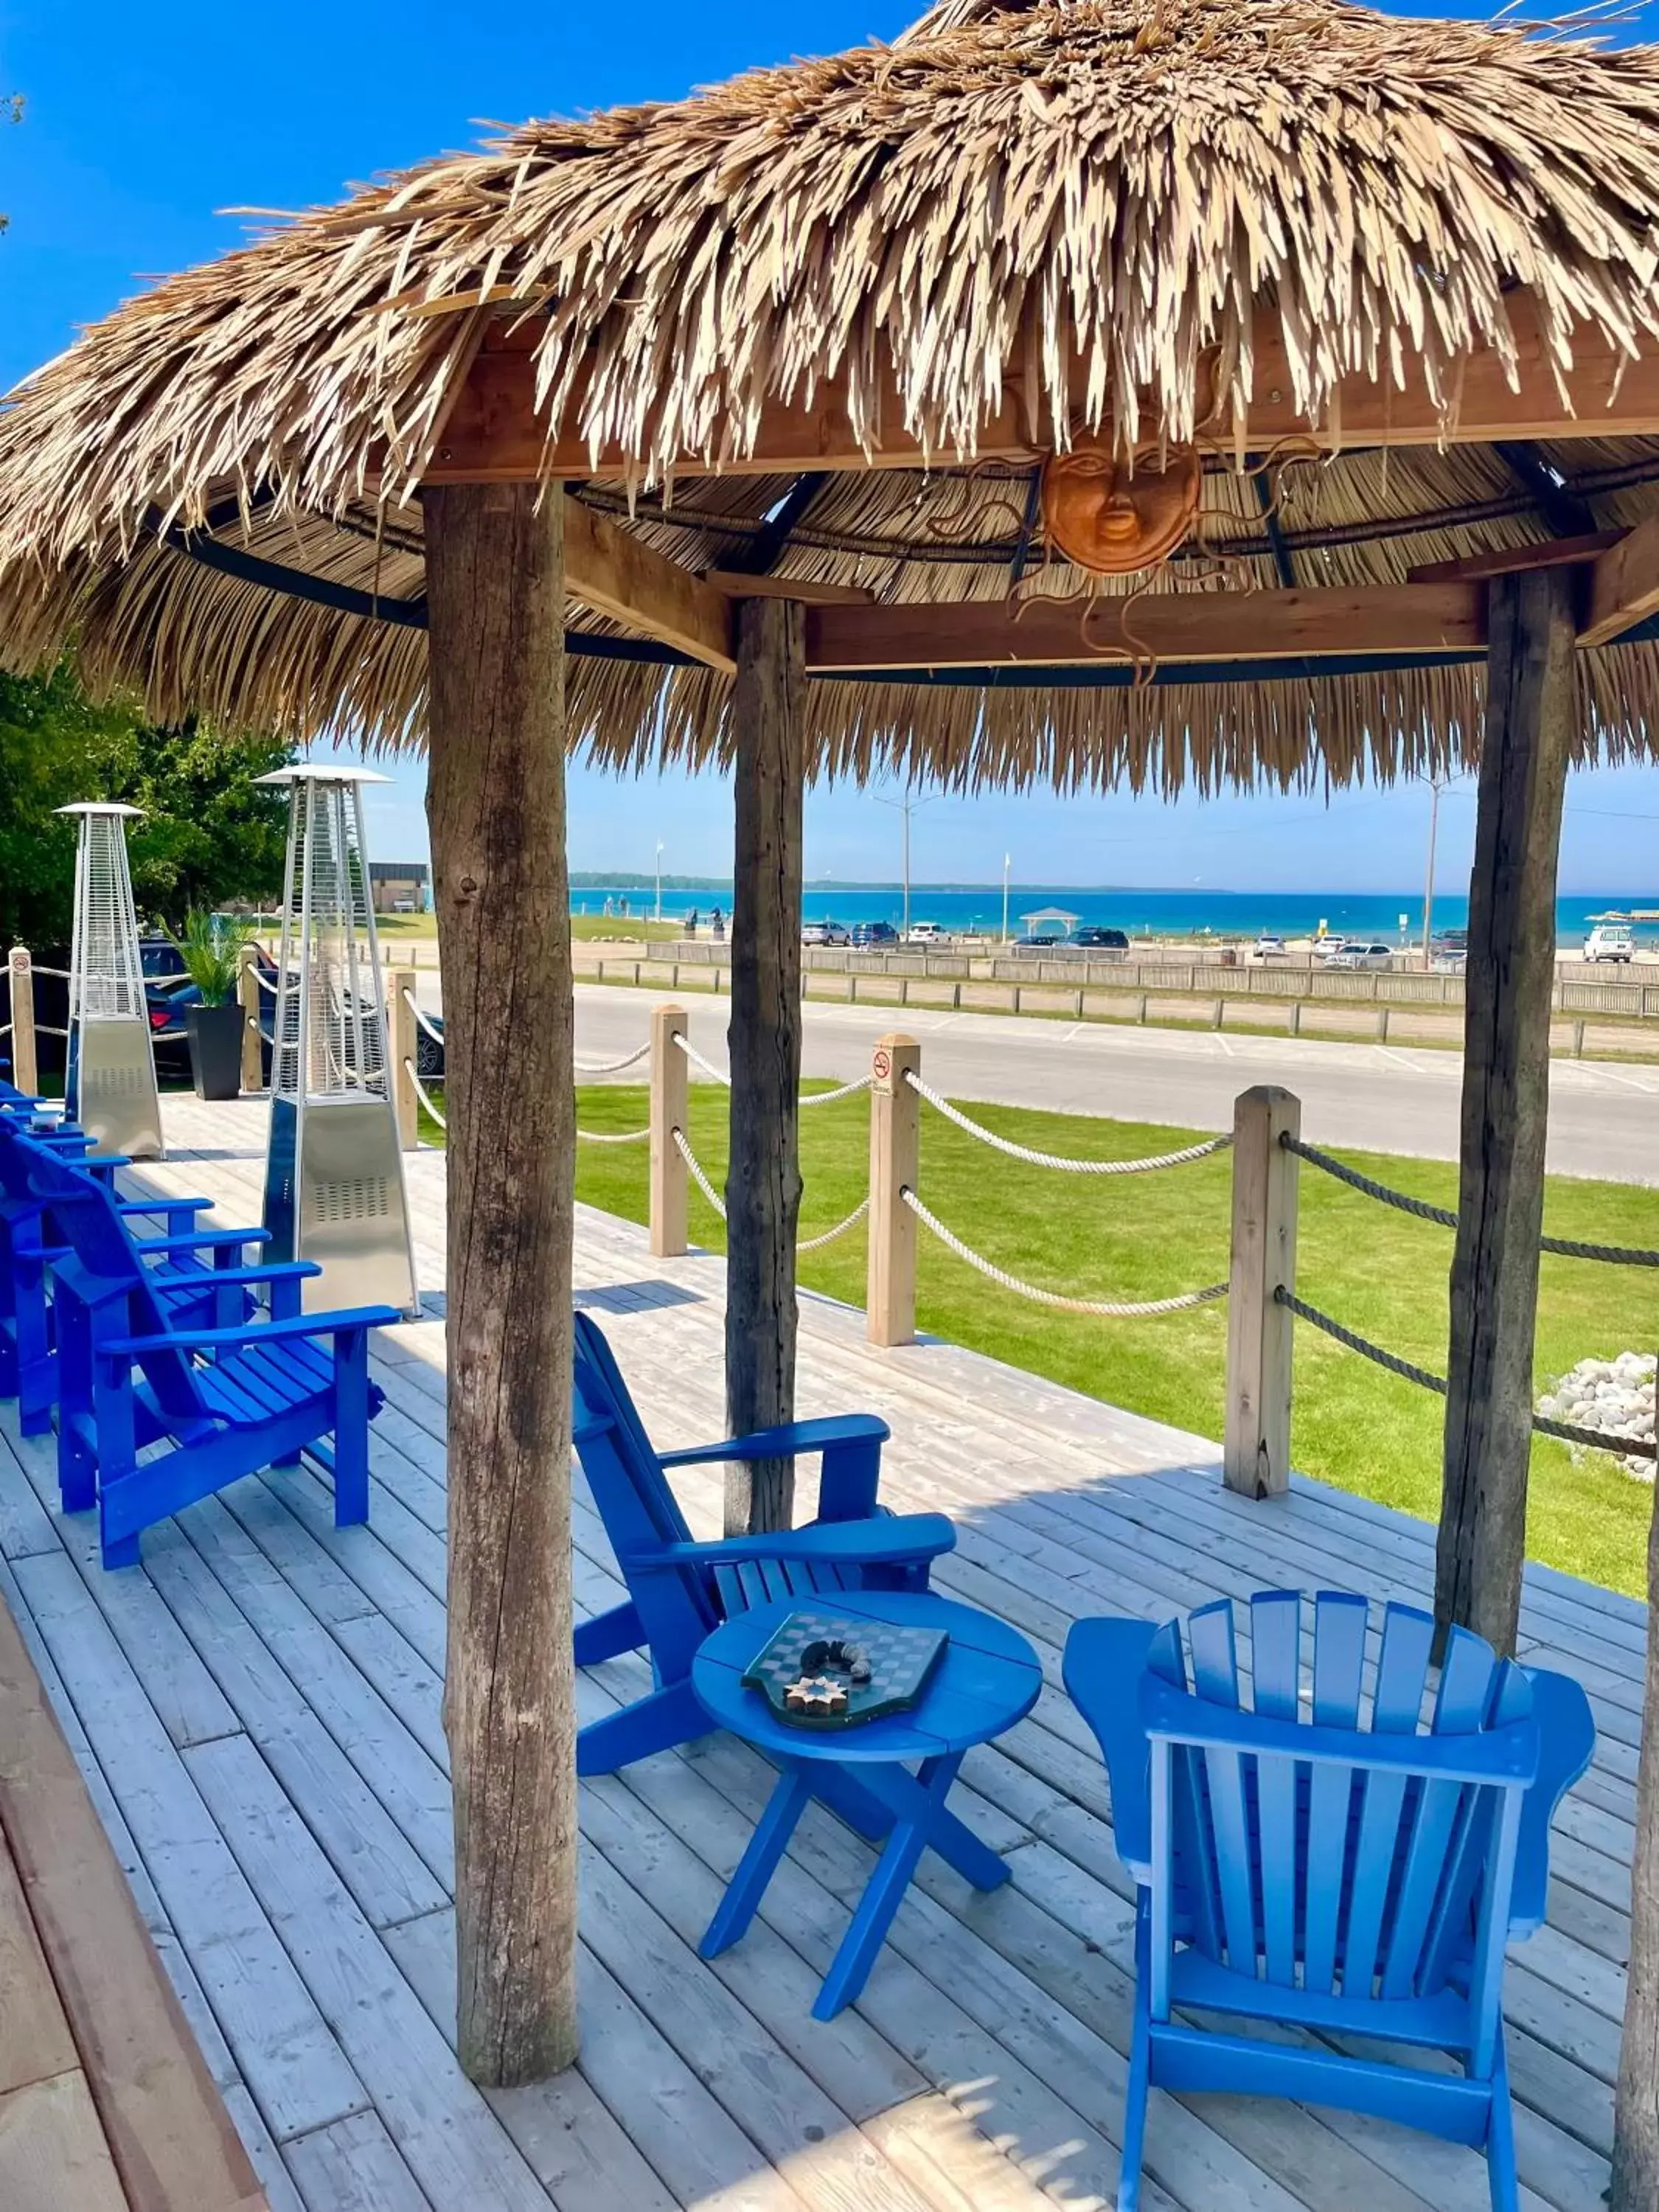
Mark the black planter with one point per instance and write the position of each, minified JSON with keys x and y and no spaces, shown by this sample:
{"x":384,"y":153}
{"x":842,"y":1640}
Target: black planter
{"x":215,"y":1050}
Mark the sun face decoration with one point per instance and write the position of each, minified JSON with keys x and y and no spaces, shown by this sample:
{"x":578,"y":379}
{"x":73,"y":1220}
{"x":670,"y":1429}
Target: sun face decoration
{"x":1114,"y":520}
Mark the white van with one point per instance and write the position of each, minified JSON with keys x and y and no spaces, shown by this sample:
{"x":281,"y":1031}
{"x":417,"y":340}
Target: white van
{"x":1610,"y":940}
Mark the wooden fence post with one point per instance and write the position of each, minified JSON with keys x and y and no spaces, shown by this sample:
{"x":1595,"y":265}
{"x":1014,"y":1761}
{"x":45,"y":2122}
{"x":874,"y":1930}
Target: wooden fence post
{"x":669,"y":1085}
{"x":895,"y":1155}
{"x":248,"y":997}
{"x":1636,"y":2115}
{"x":405,"y":1054}
{"x":1256,"y":1450}
{"x":24,"y":1067}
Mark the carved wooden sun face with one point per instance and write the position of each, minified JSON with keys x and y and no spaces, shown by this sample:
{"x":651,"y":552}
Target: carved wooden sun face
{"x":1113,"y":520}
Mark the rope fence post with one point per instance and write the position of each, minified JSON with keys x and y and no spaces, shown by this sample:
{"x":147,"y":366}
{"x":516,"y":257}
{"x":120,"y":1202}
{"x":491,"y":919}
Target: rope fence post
{"x":1256,"y":1446}
{"x":405,"y":1054}
{"x":248,"y":998}
{"x":669,"y":1087}
{"x":25,"y":1067}
{"x":895,"y":1158}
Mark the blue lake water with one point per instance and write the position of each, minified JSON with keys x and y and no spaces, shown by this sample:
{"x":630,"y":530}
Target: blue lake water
{"x":978,"y":907}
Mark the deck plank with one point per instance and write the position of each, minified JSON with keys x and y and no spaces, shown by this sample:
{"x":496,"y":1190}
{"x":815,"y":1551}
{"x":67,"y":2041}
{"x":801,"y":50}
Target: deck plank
{"x":257,"y":1712}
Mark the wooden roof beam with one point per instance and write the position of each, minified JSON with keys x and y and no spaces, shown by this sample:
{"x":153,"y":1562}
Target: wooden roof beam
{"x":615,"y":574}
{"x":1624,"y":586}
{"x":493,"y":434}
{"x":1394,"y":618}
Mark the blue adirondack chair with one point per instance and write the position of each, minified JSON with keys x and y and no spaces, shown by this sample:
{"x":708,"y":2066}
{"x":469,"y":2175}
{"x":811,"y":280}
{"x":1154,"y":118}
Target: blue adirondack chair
{"x":224,"y":1402}
{"x":1352,"y":1870}
{"x":191,"y":1265}
{"x":679,"y":1591}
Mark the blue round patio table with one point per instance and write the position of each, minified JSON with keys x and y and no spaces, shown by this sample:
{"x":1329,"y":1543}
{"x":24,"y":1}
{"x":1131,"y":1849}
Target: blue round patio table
{"x":986,"y":1679}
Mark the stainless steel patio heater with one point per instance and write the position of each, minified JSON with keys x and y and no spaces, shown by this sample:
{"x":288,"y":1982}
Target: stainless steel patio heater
{"x":334,"y":1170}
{"x":110,"y":1084}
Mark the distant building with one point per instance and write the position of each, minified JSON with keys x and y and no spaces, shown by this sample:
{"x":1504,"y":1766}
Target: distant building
{"x":400,"y":886}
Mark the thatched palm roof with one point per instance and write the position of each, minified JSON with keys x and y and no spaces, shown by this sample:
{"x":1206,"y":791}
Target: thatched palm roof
{"x":1123,"y":186}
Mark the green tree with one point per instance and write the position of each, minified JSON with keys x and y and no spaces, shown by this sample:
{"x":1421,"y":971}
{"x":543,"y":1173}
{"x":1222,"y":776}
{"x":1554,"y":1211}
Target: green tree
{"x":209,"y":834}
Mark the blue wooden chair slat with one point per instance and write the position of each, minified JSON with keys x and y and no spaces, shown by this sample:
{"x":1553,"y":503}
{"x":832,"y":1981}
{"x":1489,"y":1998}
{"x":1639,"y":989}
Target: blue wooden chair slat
{"x":1459,"y":1708}
{"x":1275,"y":1646}
{"x":1396,"y":1707}
{"x":1365,"y":1864}
{"x":1224,"y":1836}
{"x":679,"y":1591}
{"x":224,"y":1402}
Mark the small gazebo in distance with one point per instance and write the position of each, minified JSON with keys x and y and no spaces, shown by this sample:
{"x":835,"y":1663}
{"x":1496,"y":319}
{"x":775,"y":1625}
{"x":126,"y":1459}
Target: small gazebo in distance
{"x":1044,"y":918}
{"x":1172,"y":395}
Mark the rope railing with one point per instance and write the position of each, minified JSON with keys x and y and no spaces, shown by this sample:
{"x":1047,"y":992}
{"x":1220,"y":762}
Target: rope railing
{"x":1061,"y":1161}
{"x":265,"y":982}
{"x":612,"y":1066}
{"x":718,"y":1074}
{"x":828,"y":1236}
{"x":50,"y":1028}
{"x":1621,"y":1256}
{"x":1112,"y":1309}
{"x":682,"y":1147}
{"x":1591,"y":1439}
{"x":423,"y":1018}
{"x":40,"y":968}
{"x":423,"y":1095}
{"x":829,"y":1097}
{"x":612,"y":1136}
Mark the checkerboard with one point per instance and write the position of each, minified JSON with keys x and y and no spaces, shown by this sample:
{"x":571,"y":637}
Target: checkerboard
{"x":900,"y":1661}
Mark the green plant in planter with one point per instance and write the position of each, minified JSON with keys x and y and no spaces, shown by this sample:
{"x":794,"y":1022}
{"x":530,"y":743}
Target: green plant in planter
{"x":211,"y":948}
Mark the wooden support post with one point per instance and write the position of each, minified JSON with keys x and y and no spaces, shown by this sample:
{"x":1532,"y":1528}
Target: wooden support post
{"x":895,"y":1164}
{"x":1256,"y":1449}
{"x":1635,"y":2117}
{"x":24,"y":1065}
{"x":669,"y":1075}
{"x":1530,"y":721}
{"x":762,"y":1186}
{"x":248,"y":995}
{"x":495,"y":583}
{"x":405,"y":1054}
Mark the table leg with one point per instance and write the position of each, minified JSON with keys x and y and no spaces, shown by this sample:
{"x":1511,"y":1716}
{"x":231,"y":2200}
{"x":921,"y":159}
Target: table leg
{"x":902,"y":1796}
{"x":766,"y":1847}
{"x":884,"y":1893}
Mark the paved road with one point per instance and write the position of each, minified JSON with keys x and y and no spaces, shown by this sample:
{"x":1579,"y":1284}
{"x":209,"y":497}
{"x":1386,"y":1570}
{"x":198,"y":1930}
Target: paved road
{"x":1604,"y":1119}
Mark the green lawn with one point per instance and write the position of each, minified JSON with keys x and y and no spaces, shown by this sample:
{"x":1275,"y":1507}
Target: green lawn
{"x":1382,"y":1271}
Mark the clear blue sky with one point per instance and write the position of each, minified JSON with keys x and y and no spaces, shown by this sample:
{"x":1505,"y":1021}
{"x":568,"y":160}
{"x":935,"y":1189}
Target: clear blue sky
{"x":143,"y":121}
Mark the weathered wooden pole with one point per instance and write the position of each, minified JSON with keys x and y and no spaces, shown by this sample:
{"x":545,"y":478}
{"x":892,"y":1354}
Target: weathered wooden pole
{"x":890,"y":1315}
{"x":762,"y":1183}
{"x":1530,"y":709}
{"x":1636,"y":2116}
{"x":668,"y":1094}
{"x":494,"y":578}
{"x":248,"y":997}
{"x":24,"y":1067}
{"x":1255,"y":1454}
{"x":405,"y":1042}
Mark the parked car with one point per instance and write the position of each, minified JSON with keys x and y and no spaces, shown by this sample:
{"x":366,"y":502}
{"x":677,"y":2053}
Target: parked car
{"x":1360,"y":952}
{"x":927,"y":932}
{"x":1041,"y":940}
{"x":1448,"y":951}
{"x":826,"y":933}
{"x":1610,"y":940}
{"x":1269,"y":946}
{"x":1093,"y":939}
{"x":868,"y":935}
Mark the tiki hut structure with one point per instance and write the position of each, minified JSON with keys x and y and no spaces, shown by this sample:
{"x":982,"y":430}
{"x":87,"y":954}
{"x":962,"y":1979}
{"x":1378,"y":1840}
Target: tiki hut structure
{"x":1164,"y":393}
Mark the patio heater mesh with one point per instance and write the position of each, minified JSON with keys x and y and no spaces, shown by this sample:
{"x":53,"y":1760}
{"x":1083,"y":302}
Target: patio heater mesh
{"x":110,"y":1082}
{"x":334,"y":1178}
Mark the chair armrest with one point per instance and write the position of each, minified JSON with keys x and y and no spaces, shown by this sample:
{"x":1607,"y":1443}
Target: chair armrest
{"x":893,"y":1538}
{"x":142,"y":1206}
{"x":1105,"y":1663}
{"x":199,"y":1281}
{"x":202,"y":1240}
{"x":796,"y":1437}
{"x":1566,"y":1740}
{"x":267,"y":1332}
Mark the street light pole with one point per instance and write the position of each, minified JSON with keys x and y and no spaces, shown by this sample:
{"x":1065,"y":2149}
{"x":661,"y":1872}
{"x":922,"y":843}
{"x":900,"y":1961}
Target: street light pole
{"x":906,"y":807}
{"x":658,"y":916}
{"x":1005,"y":863}
{"x":1435,"y":789}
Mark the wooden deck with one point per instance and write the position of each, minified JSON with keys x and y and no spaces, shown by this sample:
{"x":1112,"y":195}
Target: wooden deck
{"x":257,"y":1712}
